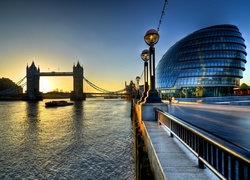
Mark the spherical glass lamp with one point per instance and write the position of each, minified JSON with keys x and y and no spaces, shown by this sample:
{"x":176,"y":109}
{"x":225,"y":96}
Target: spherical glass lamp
{"x":145,"y":55}
{"x":151,"y":37}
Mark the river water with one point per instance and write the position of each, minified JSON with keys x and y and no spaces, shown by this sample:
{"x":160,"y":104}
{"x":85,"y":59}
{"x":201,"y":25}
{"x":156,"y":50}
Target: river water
{"x":92,"y":139}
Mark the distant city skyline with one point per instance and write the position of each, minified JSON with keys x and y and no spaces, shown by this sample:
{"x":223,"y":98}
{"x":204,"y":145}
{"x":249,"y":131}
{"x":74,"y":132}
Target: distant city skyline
{"x":106,"y":37}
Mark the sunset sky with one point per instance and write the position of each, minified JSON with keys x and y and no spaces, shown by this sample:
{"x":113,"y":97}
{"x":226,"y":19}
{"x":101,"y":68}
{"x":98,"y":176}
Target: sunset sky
{"x":106,"y":37}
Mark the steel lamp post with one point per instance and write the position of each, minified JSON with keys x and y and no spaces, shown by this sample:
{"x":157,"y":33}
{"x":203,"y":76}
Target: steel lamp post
{"x":151,"y":38}
{"x":145,"y":58}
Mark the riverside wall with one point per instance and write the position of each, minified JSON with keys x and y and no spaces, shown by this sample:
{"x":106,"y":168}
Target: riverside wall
{"x":154,"y":169}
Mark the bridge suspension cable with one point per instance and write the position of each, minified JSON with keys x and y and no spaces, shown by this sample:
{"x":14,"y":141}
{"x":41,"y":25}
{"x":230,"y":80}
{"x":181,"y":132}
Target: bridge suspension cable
{"x":101,"y":89}
{"x":19,"y":82}
{"x":24,"y":84}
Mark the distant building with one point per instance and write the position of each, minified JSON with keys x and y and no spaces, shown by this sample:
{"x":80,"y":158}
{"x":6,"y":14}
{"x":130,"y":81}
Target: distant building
{"x":206,"y":63}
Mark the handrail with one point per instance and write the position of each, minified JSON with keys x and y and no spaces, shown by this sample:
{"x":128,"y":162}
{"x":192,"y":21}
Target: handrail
{"x":224,"y":159}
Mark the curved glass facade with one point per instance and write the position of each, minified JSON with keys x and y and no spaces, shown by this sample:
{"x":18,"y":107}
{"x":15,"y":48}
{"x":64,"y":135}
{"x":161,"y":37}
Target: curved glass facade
{"x":212,"y":59}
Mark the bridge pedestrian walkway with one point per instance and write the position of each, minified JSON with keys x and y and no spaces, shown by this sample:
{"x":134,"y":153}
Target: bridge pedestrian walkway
{"x":170,"y":159}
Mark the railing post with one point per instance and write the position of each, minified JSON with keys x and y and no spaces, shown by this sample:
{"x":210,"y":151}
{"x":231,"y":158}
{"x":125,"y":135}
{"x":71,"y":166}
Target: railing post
{"x":200,"y":152}
{"x":171,"y":128}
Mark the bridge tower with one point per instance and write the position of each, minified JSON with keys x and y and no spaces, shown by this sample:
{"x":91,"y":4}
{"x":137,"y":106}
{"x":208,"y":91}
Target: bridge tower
{"x":32,"y":75}
{"x":77,"y":93}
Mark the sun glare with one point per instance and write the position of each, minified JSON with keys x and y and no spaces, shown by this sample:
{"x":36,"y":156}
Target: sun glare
{"x":44,"y":85}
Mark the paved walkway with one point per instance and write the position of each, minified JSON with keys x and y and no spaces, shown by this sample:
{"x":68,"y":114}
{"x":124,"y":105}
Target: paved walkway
{"x":176,"y":162}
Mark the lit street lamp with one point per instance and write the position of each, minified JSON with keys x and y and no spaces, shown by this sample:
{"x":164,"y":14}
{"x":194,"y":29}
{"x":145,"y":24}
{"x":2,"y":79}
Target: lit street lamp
{"x":145,"y":58}
{"x":151,"y":38}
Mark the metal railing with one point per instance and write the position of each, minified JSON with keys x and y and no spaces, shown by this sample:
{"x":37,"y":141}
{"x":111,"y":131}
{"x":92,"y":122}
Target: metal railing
{"x":226,"y":160}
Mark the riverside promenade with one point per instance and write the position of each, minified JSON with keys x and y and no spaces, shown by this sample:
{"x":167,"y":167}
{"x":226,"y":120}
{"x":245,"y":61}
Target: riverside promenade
{"x":168,"y":157}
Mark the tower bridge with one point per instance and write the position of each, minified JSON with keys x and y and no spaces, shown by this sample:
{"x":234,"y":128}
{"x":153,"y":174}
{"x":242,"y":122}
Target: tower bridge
{"x":33,"y":75}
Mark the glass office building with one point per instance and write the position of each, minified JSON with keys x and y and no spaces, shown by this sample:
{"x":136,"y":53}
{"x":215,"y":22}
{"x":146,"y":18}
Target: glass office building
{"x":206,"y":63}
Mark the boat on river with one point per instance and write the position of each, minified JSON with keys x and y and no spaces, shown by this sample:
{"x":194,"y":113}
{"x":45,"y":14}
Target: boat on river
{"x":57,"y":103}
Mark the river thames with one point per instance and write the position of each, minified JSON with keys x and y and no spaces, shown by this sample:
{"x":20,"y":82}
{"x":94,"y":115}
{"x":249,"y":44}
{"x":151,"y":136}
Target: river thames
{"x":92,"y":139}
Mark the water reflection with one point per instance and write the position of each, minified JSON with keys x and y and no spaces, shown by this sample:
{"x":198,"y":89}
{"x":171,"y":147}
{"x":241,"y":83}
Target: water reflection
{"x":31,"y":132}
{"x":77,"y":121}
{"x":89,"y":140}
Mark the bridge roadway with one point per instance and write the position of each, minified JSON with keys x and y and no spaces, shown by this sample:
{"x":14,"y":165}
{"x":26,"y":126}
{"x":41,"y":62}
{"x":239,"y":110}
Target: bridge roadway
{"x":229,"y":122}
{"x":53,"y":73}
